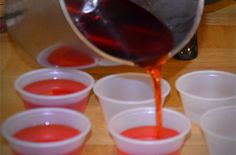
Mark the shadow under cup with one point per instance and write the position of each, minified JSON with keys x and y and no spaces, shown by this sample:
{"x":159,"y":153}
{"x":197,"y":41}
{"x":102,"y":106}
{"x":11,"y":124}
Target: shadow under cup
{"x":124,"y":91}
{"x":76,"y":100}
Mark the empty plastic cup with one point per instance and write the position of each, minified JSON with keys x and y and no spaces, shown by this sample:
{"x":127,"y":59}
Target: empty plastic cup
{"x":123,"y":91}
{"x":204,"y":90}
{"x":219,"y":128}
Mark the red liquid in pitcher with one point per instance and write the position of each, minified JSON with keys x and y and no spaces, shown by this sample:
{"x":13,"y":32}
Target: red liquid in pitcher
{"x":148,"y":133}
{"x":125,"y":30}
{"x":122,"y":29}
{"x":56,"y":88}
{"x":47,"y":133}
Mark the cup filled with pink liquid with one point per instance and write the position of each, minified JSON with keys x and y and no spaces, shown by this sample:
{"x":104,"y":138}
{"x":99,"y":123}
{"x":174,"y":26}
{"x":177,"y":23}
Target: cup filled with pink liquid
{"x":46,"y":131}
{"x":118,"y":92}
{"x":50,"y":87}
{"x":135,"y":132}
{"x":65,"y":56}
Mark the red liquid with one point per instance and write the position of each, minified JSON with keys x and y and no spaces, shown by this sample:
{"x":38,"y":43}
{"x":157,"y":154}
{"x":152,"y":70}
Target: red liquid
{"x":148,"y":133}
{"x":122,"y":29}
{"x":56,"y":88}
{"x":155,"y":74}
{"x":47,"y":133}
{"x":75,"y":152}
{"x":69,"y":57}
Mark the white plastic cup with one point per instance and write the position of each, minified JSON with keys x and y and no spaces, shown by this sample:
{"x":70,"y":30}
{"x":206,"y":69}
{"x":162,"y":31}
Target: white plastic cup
{"x":145,"y":116}
{"x":40,"y":116}
{"x":123,"y":91}
{"x":219,"y":128}
{"x":76,"y":101}
{"x":203,"y":90}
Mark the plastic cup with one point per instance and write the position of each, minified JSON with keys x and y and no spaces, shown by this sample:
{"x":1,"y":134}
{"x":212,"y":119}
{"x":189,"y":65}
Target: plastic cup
{"x":123,"y":91}
{"x":145,"y":116}
{"x":66,"y":56}
{"x":203,"y":90}
{"x":41,"y":116}
{"x":219,"y":128}
{"x":76,"y":101}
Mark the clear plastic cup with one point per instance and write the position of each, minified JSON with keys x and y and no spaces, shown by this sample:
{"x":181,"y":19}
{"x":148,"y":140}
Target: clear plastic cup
{"x":123,"y":91}
{"x":77,"y":100}
{"x":203,"y":90}
{"x":42,"y":116}
{"x":145,"y":116}
{"x":219,"y":128}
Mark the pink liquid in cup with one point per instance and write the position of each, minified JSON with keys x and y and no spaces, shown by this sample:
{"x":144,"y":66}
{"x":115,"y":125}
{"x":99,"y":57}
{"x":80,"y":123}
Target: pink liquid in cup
{"x":134,"y":132}
{"x":148,"y":133}
{"x":47,"y":133}
{"x":56,"y":88}
{"x":75,"y":152}
{"x":69,"y":57}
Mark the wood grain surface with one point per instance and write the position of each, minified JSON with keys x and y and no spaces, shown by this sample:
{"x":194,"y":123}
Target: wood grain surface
{"x":217,"y":51}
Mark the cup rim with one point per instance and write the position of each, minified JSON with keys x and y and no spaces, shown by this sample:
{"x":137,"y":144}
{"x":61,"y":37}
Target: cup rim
{"x":55,"y":70}
{"x":209,"y":112}
{"x":152,"y":142}
{"x":198,"y":72}
{"x":100,"y":81}
{"x":11,"y":139}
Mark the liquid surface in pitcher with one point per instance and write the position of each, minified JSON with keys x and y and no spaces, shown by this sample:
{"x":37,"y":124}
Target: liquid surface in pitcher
{"x":123,"y":29}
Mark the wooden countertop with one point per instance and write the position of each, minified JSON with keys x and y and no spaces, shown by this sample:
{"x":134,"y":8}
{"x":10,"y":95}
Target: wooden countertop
{"x":217,"y":51}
